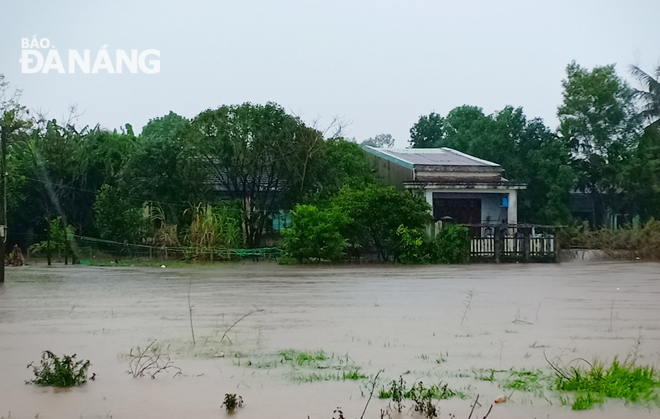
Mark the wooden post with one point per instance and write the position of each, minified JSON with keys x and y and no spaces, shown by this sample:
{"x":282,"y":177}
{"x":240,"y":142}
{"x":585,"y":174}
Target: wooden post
{"x":526,"y":237}
{"x":497,"y":238}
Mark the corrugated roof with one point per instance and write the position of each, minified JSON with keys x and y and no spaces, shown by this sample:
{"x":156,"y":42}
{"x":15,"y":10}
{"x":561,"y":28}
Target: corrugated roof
{"x":444,"y":156}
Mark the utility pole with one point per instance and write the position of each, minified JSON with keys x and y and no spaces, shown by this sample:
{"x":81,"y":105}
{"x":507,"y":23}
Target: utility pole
{"x":4,"y":137}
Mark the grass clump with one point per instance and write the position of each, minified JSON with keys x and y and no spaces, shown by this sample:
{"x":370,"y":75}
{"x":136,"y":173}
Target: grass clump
{"x":308,"y":366}
{"x":627,"y":381}
{"x":528,"y":381}
{"x":59,"y":372}
{"x":350,"y":374}
{"x":301,"y":358}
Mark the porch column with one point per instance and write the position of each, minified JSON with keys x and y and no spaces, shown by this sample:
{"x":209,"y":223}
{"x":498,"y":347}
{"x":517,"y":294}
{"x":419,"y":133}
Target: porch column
{"x":512,"y":210}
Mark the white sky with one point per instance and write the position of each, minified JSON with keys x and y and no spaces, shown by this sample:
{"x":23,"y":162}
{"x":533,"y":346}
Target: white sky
{"x":380,"y":64}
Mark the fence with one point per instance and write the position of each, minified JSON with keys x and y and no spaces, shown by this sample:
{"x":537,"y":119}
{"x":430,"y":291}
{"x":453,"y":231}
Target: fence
{"x":521,"y":246}
{"x":89,"y":250}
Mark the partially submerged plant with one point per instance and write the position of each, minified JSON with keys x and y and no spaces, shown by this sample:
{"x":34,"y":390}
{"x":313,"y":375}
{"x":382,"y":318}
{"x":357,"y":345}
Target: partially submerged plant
{"x":628,"y":381}
{"x":421,"y":395}
{"x":396,"y":392}
{"x":232,"y":401}
{"x":424,"y":403}
{"x":150,"y":361}
{"x":59,"y":372}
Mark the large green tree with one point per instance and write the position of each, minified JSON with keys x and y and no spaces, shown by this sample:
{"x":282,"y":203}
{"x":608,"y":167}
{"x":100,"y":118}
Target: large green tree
{"x":163,"y":169}
{"x":245,"y":150}
{"x":649,"y":95}
{"x":599,"y":122}
{"x":528,"y":151}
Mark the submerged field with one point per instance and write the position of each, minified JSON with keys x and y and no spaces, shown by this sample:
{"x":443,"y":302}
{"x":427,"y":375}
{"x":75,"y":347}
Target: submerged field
{"x":315,"y":338}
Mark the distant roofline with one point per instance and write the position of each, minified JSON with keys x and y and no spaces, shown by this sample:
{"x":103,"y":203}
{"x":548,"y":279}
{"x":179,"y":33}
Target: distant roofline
{"x":386,"y":153}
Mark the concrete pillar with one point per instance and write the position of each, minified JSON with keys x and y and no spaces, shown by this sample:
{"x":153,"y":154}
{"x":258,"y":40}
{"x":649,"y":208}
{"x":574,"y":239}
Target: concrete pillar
{"x":512,"y":211}
{"x":429,"y":198}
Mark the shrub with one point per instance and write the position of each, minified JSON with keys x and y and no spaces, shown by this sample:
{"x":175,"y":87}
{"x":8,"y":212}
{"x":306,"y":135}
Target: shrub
{"x":643,"y":242}
{"x":56,"y":372}
{"x":232,"y":401}
{"x":413,"y":246}
{"x":376,"y":213}
{"x":60,"y":238}
{"x":451,"y":245}
{"x":315,"y":234}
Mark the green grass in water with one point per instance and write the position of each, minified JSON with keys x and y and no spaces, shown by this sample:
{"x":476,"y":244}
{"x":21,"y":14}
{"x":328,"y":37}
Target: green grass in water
{"x":350,"y":374}
{"x":303,"y":357}
{"x":627,"y":381}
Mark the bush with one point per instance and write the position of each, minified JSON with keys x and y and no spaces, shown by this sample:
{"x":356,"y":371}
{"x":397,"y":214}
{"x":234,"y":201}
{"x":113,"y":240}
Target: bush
{"x":56,"y":372}
{"x":413,"y":246}
{"x":642,"y":242}
{"x":451,"y":245}
{"x":315,"y":234}
{"x":61,"y":238}
{"x":377,"y":212}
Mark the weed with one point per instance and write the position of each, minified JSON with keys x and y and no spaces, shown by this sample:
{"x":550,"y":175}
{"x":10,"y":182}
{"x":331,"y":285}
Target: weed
{"x":56,"y":372}
{"x":421,"y":396}
{"x":490,"y":377}
{"x":627,"y":381}
{"x":467,"y":303}
{"x":232,"y":401}
{"x":301,"y":358}
{"x":149,"y":360}
{"x":528,"y":381}
{"x":190,"y":312}
{"x":249,"y":313}
{"x":396,"y":392}
{"x":586,"y":401}
{"x":351,"y":374}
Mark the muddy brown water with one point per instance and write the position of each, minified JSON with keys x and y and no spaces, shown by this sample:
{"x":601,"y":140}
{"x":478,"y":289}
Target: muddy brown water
{"x":400,"y":319}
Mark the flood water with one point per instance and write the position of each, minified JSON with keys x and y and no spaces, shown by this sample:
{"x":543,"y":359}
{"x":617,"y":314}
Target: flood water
{"x":424,"y":323}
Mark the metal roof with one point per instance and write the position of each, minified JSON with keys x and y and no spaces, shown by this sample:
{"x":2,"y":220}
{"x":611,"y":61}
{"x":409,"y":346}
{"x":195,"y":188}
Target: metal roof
{"x":411,"y":157}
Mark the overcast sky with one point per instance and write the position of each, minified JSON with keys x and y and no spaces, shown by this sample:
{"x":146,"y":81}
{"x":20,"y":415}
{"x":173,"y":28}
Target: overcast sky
{"x":379,"y":64}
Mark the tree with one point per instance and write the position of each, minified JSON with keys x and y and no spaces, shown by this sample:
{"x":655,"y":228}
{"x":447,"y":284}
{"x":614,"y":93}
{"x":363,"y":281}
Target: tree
{"x":12,"y":121}
{"x":163,"y":168}
{"x":243,"y":149}
{"x":428,"y":132}
{"x":527,"y":150}
{"x":342,"y":163}
{"x":115,"y":217}
{"x":649,"y":96}
{"x":57,"y":170}
{"x":380,"y":141}
{"x":599,"y":123}
{"x":315,"y":234}
{"x":377,"y":212}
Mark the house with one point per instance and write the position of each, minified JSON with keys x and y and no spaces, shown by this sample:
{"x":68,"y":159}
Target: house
{"x":459,"y":187}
